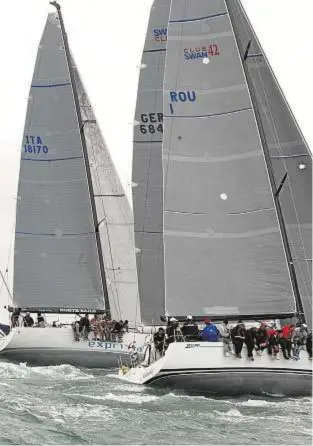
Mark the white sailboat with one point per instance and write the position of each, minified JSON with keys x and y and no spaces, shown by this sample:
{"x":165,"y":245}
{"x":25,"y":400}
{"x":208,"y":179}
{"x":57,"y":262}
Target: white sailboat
{"x":237,"y":210}
{"x":74,"y":248}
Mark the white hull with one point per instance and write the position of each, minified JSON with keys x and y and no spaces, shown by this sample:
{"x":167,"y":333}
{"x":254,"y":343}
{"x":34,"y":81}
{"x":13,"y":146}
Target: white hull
{"x":55,"y":346}
{"x":202,"y":368}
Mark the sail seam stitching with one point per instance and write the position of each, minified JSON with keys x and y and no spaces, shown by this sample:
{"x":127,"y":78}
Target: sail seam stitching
{"x":53,"y":159}
{"x":209,"y":116}
{"x":199,"y":18}
{"x":51,"y":85}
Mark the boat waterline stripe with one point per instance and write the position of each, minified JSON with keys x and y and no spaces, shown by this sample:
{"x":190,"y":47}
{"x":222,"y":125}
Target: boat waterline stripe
{"x":199,"y":18}
{"x":159,"y":50}
{"x":54,"y":159}
{"x":209,"y":116}
{"x":243,"y":370}
{"x":218,"y":369}
{"x":51,"y":85}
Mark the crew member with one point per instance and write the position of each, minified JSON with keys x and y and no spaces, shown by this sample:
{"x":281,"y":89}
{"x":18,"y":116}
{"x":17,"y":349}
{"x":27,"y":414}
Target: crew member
{"x":210,"y":332}
{"x":190,"y":330}
{"x":238,"y":335}
{"x":226,"y":338}
{"x":159,"y":340}
{"x":28,"y":321}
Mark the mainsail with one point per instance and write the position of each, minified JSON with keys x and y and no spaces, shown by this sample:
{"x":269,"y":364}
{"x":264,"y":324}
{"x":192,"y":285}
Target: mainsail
{"x":223,"y":245}
{"x":57,"y":264}
{"x":115,"y":220}
{"x":147,"y":177}
{"x":288,"y":150}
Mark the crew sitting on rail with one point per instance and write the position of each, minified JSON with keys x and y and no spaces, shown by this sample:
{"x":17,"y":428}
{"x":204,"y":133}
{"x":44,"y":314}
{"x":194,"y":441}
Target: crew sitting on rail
{"x":117,"y":331}
{"x":190,"y":330}
{"x":84,"y":326}
{"x":173,"y":332}
{"x":298,"y":338}
{"x":15,"y":317}
{"x":261,"y":338}
{"x":225,"y":334}
{"x":28,"y":321}
{"x":94,"y":325}
{"x":285,"y":340}
{"x":273,"y":341}
{"x":41,"y":320}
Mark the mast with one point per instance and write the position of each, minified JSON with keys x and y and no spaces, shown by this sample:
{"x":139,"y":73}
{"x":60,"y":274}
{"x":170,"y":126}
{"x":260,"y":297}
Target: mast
{"x":85,"y":152}
{"x":275,"y":190}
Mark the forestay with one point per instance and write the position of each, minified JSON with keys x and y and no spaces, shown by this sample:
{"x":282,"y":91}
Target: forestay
{"x":147,"y":177}
{"x":289,"y":154}
{"x":115,"y":218}
{"x":56,"y":258}
{"x":223,"y":246}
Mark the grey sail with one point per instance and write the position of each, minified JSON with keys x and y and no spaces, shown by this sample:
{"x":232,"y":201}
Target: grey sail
{"x":115,"y":218}
{"x":56,"y":264}
{"x":223,"y":247}
{"x":147,"y":177}
{"x":289,"y":154}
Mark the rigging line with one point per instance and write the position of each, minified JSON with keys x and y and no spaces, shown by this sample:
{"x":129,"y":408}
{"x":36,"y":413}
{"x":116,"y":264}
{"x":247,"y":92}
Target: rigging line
{"x":275,"y":135}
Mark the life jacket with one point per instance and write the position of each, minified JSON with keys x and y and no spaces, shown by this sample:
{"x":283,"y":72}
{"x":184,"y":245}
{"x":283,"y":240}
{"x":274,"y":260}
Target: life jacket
{"x":210,"y":333}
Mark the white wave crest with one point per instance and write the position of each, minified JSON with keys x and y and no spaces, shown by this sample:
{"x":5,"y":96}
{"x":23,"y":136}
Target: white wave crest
{"x":22,"y":370}
{"x":130,"y":399}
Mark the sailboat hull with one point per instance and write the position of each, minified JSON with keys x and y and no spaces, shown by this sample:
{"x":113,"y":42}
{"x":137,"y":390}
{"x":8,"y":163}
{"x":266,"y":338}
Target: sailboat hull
{"x":54,"y":346}
{"x":202,"y":368}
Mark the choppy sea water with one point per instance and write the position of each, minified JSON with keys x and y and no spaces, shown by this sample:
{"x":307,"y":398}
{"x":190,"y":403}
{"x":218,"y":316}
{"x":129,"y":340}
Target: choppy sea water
{"x":66,"y":405}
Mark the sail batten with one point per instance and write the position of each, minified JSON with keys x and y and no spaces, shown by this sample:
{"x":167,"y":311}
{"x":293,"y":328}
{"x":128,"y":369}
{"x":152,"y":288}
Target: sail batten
{"x":214,"y":169}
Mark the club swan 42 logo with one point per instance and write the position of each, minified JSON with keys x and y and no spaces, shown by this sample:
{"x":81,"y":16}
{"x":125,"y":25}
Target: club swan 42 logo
{"x":202,"y":52}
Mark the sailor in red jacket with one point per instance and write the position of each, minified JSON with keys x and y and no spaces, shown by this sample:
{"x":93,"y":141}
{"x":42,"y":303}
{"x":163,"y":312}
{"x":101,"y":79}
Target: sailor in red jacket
{"x":285,"y":340}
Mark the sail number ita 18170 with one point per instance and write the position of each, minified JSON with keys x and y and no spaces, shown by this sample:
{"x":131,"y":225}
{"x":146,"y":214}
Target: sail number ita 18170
{"x":34,"y":144}
{"x":151,"y":123}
